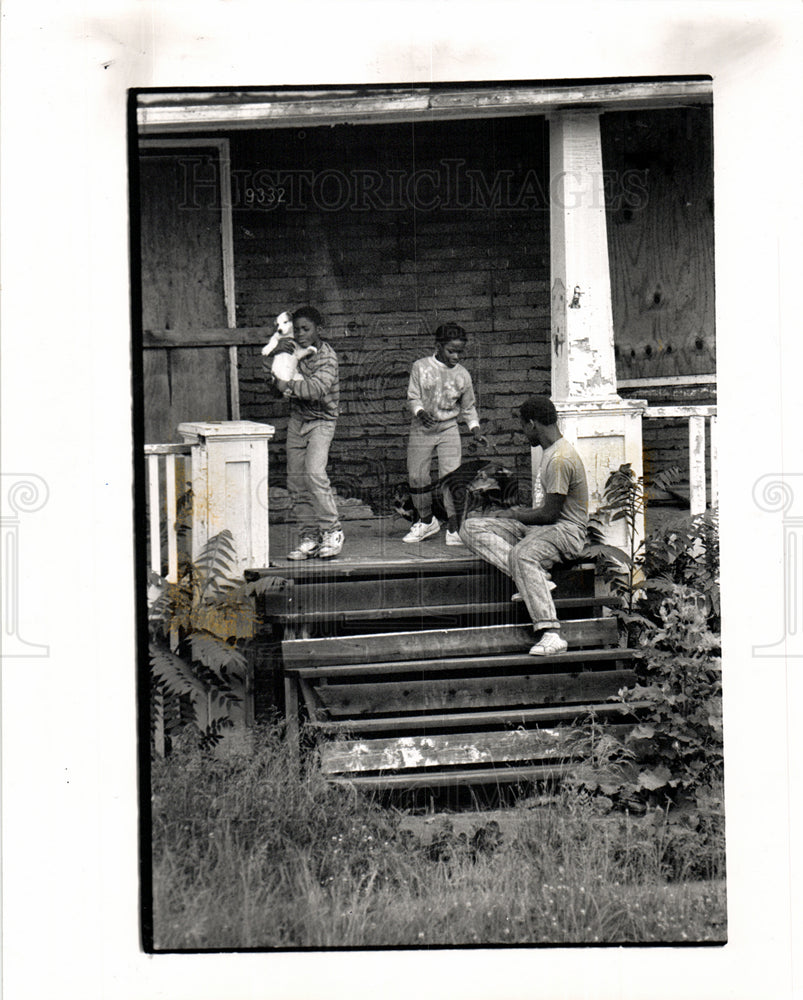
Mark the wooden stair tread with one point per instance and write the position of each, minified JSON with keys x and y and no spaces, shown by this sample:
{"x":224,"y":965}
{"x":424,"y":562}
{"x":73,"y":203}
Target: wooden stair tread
{"x":558,"y":743}
{"x":447,"y":665}
{"x":459,"y":776}
{"x":438,"y":643}
{"x":513,"y":717}
{"x":438,"y":695}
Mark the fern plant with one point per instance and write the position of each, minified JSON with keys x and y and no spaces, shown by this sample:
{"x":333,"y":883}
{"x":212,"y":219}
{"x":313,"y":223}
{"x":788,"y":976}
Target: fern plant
{"x":198,"y":628}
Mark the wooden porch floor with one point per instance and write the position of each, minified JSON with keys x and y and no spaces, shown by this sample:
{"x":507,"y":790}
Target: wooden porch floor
{"x":379,"y":540}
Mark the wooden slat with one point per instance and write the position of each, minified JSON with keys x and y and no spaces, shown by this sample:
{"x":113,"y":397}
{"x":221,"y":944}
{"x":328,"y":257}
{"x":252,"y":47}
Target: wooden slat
{"x":439,"y":610}
{"x":462,"y":776}
{"x":697,"y":464}
{"x":681,"y":411}
{"x":452,"y":749}
{"x":436,"y":643}
{"x":154,"y":513}
{"x":341,"y":568}
{"x":472,"y":692}
{"x":411,"y":613}
{"x":459,"y":720}
{"x":573,"y":659}
{"x":714,"y":462}
{"x":171,"y":513}
{"x":310,"y":699}
{"x":400,"y":592}
{"x":167,"y":449}
{"x":207,"y":337}
{"x":304,"y":110}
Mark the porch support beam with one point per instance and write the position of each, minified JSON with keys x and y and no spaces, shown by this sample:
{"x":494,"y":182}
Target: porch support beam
{"x":288,"y":108}
{"x":605,"y":429}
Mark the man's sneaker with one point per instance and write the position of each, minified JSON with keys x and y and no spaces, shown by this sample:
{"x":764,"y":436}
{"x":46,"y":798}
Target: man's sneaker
{"x":550,"y":644}
{"x":306,"y":548}
{"x":421,"y":530}
{"x":453,"y":538}
{"x":331,"y":544}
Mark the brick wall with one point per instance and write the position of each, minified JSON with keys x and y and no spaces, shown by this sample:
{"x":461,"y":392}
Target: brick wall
{"x":390,"y":230}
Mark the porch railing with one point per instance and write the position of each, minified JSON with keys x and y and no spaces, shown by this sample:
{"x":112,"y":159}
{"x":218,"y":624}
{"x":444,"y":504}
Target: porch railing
{"x":162,"y":506}
{"x":696,"y":417}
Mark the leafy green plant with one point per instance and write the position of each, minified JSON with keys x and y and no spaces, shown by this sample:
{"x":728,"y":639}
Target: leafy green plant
{"x":670,"y":585}
{"x":679,"y":742}
{"x":685,"y":554}
{"x":624,"y":500}
{"x":198,"y":628}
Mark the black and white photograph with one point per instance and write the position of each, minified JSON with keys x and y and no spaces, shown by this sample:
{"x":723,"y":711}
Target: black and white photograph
{"x":430,"y":451}
{"x":401,"y":500}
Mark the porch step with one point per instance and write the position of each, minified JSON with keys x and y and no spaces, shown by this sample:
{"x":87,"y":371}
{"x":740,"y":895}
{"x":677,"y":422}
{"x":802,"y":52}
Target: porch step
{"x":437,"y":644}
{"x":566,"y":607}
{"x":453,"y":706}
{"x":341,"y":594}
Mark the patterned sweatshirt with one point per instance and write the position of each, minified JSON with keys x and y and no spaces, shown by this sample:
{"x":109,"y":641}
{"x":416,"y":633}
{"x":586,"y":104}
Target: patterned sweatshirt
{"x":447,"y":393}
{"x":317,"y":395}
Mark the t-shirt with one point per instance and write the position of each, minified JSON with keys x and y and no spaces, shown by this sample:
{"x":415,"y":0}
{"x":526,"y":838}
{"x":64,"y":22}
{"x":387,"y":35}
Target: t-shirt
{"x":562,"y":471}
{"x":447,"y":393}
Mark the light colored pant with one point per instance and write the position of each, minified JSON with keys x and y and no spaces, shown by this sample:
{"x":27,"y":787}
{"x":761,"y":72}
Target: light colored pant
{"x":524,"y":553}
{"x":422,"y":445}
{"x":307,"y":483}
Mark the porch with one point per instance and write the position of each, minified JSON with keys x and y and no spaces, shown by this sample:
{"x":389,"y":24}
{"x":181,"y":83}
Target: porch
{"x":545,"y":237}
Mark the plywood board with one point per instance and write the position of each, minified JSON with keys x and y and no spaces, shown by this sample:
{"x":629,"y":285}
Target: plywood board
{"x":182,"y":289}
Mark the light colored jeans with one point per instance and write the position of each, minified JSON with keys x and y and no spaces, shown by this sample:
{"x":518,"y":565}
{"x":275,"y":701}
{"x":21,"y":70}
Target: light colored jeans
{"x":525,"y":553}
{"x":423,"y":443}
{"x":307,"y":483}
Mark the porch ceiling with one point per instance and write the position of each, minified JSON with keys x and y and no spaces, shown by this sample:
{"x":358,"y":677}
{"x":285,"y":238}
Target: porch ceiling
{"x":286,"y":108}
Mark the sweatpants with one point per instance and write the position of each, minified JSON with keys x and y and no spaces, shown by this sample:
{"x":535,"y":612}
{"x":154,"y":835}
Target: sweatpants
{"x":421,"y":446}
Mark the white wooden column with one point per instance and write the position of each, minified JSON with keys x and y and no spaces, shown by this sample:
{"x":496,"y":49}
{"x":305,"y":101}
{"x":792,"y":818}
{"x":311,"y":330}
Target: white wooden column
{"x":230,"y":486}
{"x":605,"y":429}
{"x":583,"y":364}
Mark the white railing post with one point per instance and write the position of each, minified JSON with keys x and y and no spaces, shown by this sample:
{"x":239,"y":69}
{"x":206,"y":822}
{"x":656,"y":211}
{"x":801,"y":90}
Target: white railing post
{"x":230,"y":486}
{"x":714,"y":462}
{"x":697,"y":465}
{"x":172,"y":538}
{"x":696,"y":416}
{"x":154,"y":514}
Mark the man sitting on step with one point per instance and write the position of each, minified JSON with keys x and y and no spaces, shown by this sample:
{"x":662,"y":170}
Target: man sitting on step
{"x":526,"y":542}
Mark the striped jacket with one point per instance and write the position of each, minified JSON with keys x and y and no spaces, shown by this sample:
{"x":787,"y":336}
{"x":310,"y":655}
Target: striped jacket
{"x":317,"y":395}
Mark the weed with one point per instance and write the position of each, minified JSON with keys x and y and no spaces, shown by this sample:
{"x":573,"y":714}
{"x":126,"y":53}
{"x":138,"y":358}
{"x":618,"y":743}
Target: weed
{"x":248,"y":854}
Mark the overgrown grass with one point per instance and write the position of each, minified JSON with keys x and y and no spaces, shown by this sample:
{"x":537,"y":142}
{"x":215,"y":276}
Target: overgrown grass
{"x":248,"y":855}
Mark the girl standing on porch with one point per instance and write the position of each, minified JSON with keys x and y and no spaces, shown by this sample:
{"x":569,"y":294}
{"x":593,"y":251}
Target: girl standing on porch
{"x":314,"y":408}
{"x":440,"y":392}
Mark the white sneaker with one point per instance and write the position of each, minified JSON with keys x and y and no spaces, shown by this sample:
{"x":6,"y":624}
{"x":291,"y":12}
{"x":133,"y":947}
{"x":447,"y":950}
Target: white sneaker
{"x":421,"y":530}
{"x":453,"y":538}
{"x":306,"y":548}
{"x":550,"y":644}
{"x":331,"y":543}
